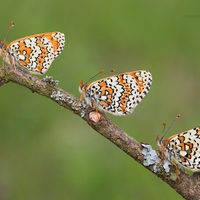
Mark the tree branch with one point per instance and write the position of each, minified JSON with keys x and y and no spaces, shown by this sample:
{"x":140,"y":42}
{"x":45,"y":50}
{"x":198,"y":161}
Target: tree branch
{"x":189,"y":186}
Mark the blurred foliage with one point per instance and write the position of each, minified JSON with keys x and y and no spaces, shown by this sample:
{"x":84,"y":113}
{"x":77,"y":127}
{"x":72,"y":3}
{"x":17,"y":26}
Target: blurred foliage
{"x":46,"y":152}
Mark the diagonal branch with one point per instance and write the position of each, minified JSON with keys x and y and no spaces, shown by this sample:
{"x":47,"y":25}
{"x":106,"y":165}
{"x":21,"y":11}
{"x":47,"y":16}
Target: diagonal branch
{"x":189,"y":187}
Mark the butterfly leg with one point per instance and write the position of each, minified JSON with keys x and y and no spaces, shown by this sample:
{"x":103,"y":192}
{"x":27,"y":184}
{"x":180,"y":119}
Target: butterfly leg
{"x":94,"y":105}
{"x":80,"y":99}
{"x":12,"y":62}
{"x":177,"y":172}
{"x":162,"y":156}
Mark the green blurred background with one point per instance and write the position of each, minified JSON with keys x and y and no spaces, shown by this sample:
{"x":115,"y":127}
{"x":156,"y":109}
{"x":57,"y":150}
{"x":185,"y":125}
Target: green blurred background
{"x":47,"y":152}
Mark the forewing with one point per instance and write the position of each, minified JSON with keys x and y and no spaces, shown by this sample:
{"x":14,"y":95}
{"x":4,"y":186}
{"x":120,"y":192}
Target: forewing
{"x":37,"y":52}
{"x":120,"y":94}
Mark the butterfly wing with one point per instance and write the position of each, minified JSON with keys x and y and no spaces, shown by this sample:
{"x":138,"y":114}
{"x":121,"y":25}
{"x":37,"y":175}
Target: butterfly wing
{"x":37,"y":52}
{"x":119,"y":94}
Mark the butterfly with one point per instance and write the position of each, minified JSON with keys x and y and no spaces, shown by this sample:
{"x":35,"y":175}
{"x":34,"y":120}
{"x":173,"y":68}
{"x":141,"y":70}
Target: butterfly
{"x":34,"y":52}
{"x":118,"y":94}
{"x":183,"y":148}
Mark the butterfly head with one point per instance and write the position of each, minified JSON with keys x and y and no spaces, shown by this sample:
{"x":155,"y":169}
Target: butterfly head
{"x":1,"y":44}
{"x":82,"y":86}
{"x":159,"y":140}
{"x":3,"y":52}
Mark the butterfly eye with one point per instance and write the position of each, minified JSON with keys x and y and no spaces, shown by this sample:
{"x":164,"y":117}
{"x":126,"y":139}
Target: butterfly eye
{"x":1,"y":45}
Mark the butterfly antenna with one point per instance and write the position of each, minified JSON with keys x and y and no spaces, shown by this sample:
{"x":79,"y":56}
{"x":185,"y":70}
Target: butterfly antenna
{"x":164,"y":126}
{"x":99,"y":74}
{"x":9,"y":28}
